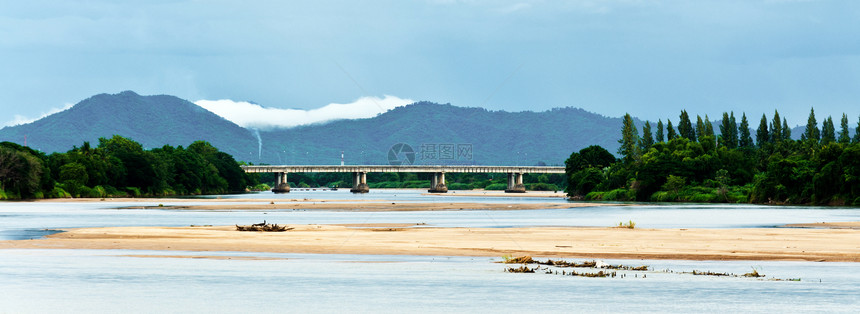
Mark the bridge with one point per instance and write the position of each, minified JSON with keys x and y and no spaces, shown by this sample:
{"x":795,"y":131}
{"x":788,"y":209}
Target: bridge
{"x":437,"y":181}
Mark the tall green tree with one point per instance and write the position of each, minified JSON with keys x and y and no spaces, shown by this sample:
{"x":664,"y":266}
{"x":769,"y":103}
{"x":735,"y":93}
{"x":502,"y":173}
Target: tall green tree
{"x":786,"y":131}
{"x":709,"y":127}
{"x":775,"y":128}
{"x":700,"y":127}
{"x":811,"y":133}
{"x":761,"y":135}
{"x":660,"y":137}
{"x":857,"y":132}
{"x":685,"y":127}
{"x":629,"y":140}
{"x":745,"y":140}
{"x":647,"y":140}
{"x":670,"y":132}
{"x":729,"y":131}
{"x":828,"y":131}
{"x":844,"y":136}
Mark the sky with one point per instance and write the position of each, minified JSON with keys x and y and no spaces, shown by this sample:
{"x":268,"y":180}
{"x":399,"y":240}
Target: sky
{"x":651,"y":59}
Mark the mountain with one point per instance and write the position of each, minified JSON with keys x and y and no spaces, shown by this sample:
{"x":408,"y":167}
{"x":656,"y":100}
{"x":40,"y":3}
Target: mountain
{"x":152,"y":121}
{"x":435,"y":133}
{"x":494,"y":137}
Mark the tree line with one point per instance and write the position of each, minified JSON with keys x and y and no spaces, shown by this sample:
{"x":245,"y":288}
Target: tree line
{"x":119,"y":167}
{"x":693,"y":164}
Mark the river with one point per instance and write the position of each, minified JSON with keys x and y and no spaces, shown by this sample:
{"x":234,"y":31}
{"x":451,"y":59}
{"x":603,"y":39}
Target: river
{"x":38,"y":281}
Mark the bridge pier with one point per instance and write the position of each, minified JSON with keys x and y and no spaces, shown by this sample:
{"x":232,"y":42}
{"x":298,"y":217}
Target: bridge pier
{"x":437,"y":183}
{"x":359,"y":183}
{"x":281,"y":184}
{"x":515,"y":183}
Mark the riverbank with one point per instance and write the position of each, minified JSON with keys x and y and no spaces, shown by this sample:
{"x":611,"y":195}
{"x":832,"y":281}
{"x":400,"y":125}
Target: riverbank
{"x":787,"y":244}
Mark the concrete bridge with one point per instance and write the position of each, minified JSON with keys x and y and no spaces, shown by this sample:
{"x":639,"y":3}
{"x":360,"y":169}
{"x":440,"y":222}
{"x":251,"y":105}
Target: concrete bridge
{"x":437,"y":181}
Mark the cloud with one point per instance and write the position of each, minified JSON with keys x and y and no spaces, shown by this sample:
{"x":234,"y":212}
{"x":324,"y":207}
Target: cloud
{"x":20,"y":119}
{"x":250,"y":115}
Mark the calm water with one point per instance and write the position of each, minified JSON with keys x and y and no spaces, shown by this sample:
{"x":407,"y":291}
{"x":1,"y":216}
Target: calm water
{"x":38,"y":281}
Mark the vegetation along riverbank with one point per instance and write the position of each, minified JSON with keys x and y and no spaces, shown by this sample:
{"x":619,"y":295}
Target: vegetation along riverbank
{"x":692,"y":164}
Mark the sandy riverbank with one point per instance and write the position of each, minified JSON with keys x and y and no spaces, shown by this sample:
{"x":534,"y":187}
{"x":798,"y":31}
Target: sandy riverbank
{"x":800,"y":244}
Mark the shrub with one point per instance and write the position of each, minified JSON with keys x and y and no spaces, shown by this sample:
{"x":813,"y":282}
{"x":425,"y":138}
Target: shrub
{"x":620,"y":195}
{"x":58,"y":192}
{"x":594,"y":196}
{"x":460,"y":186}
{"x":541,"y":187}
{"x":704,"y":198}
{"x":135,"y":192}
{"x":496,"y":187}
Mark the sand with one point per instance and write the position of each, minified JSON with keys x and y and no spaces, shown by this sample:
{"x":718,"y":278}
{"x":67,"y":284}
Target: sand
{"x":789,"y":244}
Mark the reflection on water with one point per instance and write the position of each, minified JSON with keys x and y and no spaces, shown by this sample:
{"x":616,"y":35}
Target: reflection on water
{"x":102,"y":281}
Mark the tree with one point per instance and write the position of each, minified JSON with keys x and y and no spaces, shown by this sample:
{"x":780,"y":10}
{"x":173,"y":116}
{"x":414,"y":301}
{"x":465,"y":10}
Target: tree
{"x":761,"y":135}
{"x":844,"y":136}
{"x":828,"y":131}
{"x":685,"y":127}
{"x":647,"y":139}
{"x":659,"y":131}
{"x":776,"y":128}
{"x":786,"y":131}
{"x":857,"y":132}
{"x":670,"y":132}
{"x":700,"y":127}
{"x":584,"y":169}
{"x":728,"y":131}
{"x":811,"y":132}
{"x":629,"y":140}
{"x":674,"y":183}
{"x":745,"y":139}
{"x":73,"y":176}
{"x":592,"y":156}
{"x":709,"y":128}
{"x":20,"y":171}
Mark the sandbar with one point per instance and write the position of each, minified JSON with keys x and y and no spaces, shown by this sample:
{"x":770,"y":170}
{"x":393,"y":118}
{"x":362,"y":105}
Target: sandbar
{"x":784,"y":244}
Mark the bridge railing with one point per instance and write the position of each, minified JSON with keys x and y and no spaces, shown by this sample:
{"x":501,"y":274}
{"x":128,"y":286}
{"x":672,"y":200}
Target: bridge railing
{"x":408,"y":168}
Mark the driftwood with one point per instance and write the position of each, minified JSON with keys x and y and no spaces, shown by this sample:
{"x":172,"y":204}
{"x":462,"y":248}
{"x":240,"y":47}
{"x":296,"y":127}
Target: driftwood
{"x":263,"y":227}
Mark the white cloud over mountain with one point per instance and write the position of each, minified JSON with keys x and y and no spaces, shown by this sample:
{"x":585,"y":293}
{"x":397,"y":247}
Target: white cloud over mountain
{"x":250,"y":115}
{"x":20,"y":119}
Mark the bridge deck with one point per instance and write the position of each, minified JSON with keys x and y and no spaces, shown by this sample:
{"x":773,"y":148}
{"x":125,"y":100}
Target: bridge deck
{"x":410,"y":168}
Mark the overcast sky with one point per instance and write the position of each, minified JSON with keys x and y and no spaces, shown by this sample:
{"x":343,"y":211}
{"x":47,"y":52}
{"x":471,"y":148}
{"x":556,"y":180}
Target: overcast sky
{"x":648,"y":58}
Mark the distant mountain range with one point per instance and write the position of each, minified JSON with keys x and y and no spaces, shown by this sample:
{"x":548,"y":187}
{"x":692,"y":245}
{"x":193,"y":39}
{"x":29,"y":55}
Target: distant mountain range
{"x":430,"y":133}
{"x":152,"y":121}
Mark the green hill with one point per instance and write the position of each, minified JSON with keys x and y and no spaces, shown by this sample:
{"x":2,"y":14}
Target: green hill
{"x":495,"y":137}
{"x":152,"y":121}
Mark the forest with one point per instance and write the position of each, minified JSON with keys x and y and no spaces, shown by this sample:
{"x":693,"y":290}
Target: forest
{"x":689,"y":163}
{"x":119,"y":167}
